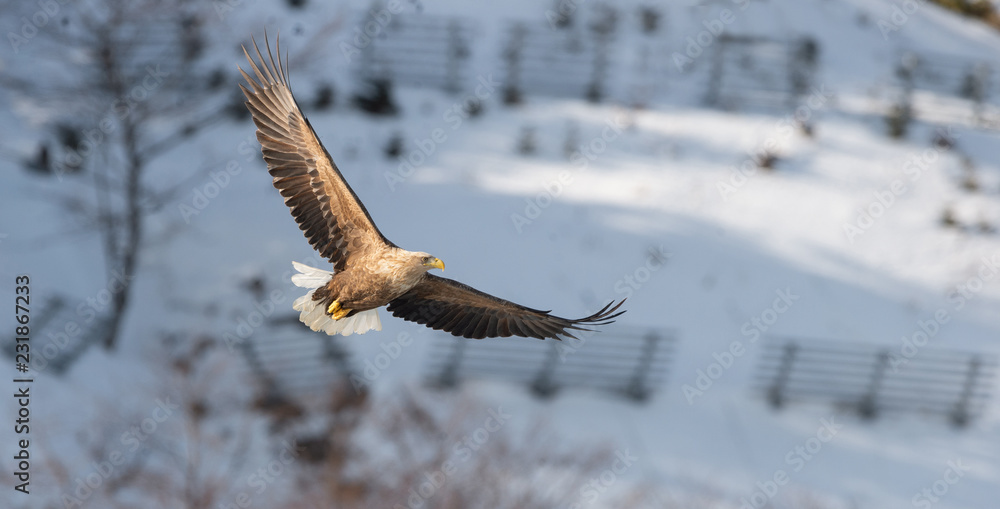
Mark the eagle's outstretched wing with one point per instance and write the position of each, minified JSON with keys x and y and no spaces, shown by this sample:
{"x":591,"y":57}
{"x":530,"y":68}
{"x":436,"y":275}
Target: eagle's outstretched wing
{"x":325,"y":207}
{"x":448,"y":305}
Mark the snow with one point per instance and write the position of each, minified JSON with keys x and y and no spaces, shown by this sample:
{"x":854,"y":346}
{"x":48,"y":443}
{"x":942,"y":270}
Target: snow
{"x":655,"y":186}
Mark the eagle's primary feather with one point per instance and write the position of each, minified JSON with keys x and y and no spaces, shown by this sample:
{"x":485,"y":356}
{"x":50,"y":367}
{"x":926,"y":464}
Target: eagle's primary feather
{"x":322,"y":203}
{"x":369,"y":270}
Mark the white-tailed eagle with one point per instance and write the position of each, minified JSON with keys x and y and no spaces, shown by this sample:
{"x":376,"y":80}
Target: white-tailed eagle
{"x":369,"y":271}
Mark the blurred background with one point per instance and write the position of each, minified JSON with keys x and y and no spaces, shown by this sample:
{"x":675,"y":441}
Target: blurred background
{"x":799,"y":199}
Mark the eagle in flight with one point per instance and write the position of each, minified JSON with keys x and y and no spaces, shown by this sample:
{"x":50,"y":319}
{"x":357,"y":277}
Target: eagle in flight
{"x":369,"y":271}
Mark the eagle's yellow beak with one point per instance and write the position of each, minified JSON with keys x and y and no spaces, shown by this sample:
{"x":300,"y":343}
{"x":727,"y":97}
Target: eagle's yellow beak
{"x":435,"y":263}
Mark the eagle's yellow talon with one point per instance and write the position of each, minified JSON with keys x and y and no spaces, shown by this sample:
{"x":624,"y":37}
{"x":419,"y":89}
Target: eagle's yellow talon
{"x":336,"y":310}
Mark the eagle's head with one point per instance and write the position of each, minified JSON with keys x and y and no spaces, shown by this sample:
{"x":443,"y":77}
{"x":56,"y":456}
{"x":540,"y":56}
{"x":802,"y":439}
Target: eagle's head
{"x":429,"y":262}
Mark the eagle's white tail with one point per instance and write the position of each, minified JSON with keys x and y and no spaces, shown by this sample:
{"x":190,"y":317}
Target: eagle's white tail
{"x":313,"y":314}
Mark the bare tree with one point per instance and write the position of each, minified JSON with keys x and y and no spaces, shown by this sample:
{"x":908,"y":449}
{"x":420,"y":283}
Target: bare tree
{"x":119,"y":83}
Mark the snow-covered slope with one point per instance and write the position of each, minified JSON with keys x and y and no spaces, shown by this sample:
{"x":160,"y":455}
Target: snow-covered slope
{"x":667,"y":181}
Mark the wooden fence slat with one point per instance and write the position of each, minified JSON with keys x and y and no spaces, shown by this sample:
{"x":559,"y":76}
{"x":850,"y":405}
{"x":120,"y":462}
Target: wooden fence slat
{"x":420,"y":51}
{"x":629,"y":364}
{"x":759,"y":71}
{"x":872,"y":380}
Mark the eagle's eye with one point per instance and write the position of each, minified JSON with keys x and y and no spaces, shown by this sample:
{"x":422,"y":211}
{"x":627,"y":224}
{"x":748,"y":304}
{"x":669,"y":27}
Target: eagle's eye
{"x":425,"y":259}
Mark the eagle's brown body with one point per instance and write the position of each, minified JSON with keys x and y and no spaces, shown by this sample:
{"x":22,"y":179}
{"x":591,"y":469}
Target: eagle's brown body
{"x":374,"y":281}
{"x":369,"y":271}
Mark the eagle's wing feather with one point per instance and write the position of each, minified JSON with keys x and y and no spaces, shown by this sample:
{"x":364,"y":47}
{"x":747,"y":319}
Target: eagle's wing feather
{"x":448,"y":305}
{"x":322,"y":203}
